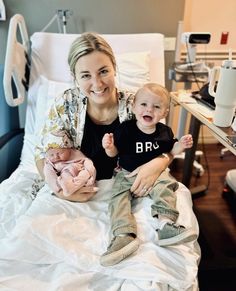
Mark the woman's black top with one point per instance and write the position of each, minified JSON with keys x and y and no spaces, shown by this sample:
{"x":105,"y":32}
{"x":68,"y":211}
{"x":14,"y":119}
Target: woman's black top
{"x":92,"y":147}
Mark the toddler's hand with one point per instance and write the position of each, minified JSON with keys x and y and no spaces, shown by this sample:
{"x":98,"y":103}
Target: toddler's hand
{"x":186,"y":141}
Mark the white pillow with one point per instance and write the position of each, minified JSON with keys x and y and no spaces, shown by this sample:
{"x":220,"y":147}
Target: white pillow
{"x":47,"y":92}
{"x":133,"y":70}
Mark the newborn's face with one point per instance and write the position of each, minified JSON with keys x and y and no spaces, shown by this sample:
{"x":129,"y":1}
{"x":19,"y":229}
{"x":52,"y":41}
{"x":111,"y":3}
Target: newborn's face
{"x":58,"y":155}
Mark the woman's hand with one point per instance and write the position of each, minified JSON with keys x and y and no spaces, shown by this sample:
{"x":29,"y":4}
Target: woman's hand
{"x":40,"y":166}
{"x":147,"y":175}
{"x":84,"y":194}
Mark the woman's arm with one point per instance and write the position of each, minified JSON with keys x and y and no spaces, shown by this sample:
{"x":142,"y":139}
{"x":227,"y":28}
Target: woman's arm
{"x":148,"y":173}
{"x":82,"y":195}
{"x":40,"y":166}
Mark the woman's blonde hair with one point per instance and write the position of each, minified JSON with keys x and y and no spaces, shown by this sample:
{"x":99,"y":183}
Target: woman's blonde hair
{"x":87,"y":43}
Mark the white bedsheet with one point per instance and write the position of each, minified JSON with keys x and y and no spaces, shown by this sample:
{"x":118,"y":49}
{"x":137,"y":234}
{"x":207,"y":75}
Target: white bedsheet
{"x":51,"y":244}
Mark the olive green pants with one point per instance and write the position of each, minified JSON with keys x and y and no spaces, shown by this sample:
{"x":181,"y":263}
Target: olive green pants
{"x":162,"y":194}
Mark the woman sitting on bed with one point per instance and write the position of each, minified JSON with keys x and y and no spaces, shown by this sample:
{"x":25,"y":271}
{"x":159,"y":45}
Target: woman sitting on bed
{"x":85,"y":113}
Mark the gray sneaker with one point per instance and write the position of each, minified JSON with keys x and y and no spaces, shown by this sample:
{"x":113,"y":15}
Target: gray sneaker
{"x":174,"y":234}
{"x":119,"y":248}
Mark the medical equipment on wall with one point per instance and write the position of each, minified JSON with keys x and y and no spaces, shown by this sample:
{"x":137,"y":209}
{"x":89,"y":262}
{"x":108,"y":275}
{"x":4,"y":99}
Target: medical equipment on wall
{"x":191,"y":39}
{"x":222,"y":86}
{"x":2,"y":11}
{"x":189,"y":72}
{"x":62,"y":15}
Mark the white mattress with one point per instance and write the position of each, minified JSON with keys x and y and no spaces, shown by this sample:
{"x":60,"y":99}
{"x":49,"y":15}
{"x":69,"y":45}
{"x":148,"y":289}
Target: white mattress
{"x":50,"y":244}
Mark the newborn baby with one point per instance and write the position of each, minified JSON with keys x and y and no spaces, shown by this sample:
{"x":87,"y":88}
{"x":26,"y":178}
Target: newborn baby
{"x":68,"y":170}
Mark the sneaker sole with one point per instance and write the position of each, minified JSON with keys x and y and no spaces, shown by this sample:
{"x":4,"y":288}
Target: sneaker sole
{"x":118,"y":256}
{"x":187,"y":236}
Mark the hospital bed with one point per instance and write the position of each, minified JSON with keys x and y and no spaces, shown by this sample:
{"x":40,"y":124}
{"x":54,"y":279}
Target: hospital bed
{"x":50,"y":244}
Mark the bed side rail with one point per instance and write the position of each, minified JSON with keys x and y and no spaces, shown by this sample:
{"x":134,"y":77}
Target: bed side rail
{"x":9,"y":136}
{"x":17,"y":62}
{"x":10,"y":152}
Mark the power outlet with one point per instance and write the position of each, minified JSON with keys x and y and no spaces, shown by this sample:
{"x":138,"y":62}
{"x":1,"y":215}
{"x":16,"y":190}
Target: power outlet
{"x":169,"y":43}
{"x":2,"y":11}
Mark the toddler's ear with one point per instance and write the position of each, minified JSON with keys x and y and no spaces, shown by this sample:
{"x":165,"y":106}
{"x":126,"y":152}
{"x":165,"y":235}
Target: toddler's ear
{"x":166,"y":112}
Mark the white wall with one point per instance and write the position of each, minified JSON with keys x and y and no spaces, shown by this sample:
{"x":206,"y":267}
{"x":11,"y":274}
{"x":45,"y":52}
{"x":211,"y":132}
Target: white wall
{"x":215,"y":16}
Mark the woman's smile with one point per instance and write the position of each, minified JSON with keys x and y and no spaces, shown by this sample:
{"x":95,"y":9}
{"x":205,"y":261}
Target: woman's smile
{"x":95,"y":76}
{"x":99,"y":92}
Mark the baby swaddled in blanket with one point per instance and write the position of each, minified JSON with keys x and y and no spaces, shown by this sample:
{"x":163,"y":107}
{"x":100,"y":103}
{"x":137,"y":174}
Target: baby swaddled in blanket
{"x":68,"y":170}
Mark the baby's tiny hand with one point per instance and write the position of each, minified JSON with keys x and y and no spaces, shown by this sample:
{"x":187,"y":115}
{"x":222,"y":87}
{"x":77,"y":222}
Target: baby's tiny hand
{"x":107,"y":140}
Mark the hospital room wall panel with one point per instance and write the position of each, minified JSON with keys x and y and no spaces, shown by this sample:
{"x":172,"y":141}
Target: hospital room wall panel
{"x":103,"y":16}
